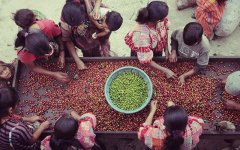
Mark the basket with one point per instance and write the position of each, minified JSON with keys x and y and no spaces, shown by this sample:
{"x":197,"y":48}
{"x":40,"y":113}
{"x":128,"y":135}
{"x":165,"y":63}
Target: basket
{"x":117,"y":72}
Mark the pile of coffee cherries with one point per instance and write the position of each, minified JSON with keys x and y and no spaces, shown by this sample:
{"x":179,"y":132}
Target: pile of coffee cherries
{"x":45,"y":96}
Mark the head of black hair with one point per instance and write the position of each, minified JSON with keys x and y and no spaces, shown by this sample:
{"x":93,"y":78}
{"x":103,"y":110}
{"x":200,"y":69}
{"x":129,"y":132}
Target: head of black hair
{"x":175,"y":120}
{"x":37,"y":43}
{"x":155,"y":11}
{"x":8,"y":98}
{"x":73,"y":13}
{"x":24,"y":18}
{"x":114,"y":20}
{"x":63,"y":137}
{"x":220,"y":2}
{"x":192,"y":33}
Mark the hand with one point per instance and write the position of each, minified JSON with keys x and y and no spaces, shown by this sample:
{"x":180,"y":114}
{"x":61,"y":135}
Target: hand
{"x":173,"y":56}
{"x":170,"y":103}
{"x":94,"y":35}
{"x":170,"y":74}
{"x":34,"y":118}
{"x":61,"y":60}
{"x":60,"y":76}
{"x":153,"y":106}
{"x":95,"y":14}
{"x":224,"y":81}
{"x":44,"y":125}
{"x":75,"y":115}
{"x":181,"y":80}
{"x":229,"y":104}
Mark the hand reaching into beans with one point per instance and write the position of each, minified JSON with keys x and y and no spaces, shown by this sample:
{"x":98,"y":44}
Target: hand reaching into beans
{"x":153,"y":106}
{"x":170,"y":74}
{"x":63,"y":77}
{"x":170,"y":103}
{"x":181,"y":80}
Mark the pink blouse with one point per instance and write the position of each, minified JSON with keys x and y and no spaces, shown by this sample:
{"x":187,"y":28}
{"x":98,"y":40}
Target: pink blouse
{"x":154,"y":135}
{"x":148,"y":39}
{"x":85,"y":133}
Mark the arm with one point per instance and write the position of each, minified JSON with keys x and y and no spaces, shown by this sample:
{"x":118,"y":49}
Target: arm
{"x":93,"y":9}
{"x":203,"y":59}
{"x":166,"y":52}
{"x":167,"y":71}
{"x":73,"y":53}
{"x":149,"y":118}
{"x":95,"y":22}
{"x":174,"y":47}
{"x":151,"y":114}
{"x":101,"y":34}
{"x":88,"y":5}
{"x":61,"y":59}
{"x":63,"y":77}
{"x":38,"y":69}
{"x":39,"y":131}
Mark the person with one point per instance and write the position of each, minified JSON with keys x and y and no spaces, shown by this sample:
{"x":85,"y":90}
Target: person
{"x":232,"y":87}
{"x":149,"y":36}
{"x":209,"y":13}
{"x":27,"y":20}
{"x":77,"y":31}
{"x":190,"y":43}
{"x":6,"y":73}
{"x":14,"y":130}
{"x":32,"y":47}
{"x":107,"y":22}
{"x":75,"y":131}
{"x":174,"y":131}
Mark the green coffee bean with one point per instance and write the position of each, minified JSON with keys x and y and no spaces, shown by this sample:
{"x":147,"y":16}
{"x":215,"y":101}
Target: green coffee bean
{"x":128,"y":91}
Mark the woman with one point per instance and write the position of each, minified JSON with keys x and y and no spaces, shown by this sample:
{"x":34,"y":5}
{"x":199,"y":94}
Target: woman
{"x":209,"y":14}
{"x":149,"y":37}
{"x":32,"y":47}
{"x":14,"y":130}
{"x":72,"y":132}
{"x":27,"y":20}
{"x":174,"y":131}
{"x":77,"y":30}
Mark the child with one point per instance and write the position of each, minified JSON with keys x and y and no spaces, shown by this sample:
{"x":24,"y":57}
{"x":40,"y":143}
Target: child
{"x":6,"y":73}
{"x":107,"y":21}
{"x":14,"y":131}
{"x":209,"y":13}
{"x":32,"y":47}
{"x":232,"y":87}
{"x":175,"y":130}
{"x":75,"y":131}
{"x":149,"y":36}
{"x":26,"y":19}
{"x":190,"y":43}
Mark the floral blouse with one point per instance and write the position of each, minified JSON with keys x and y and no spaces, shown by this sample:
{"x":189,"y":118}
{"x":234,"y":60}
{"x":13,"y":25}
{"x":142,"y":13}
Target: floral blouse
{"x":154,"y":135}
{"x":148,"y":39}
{"x":85,"y":132}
